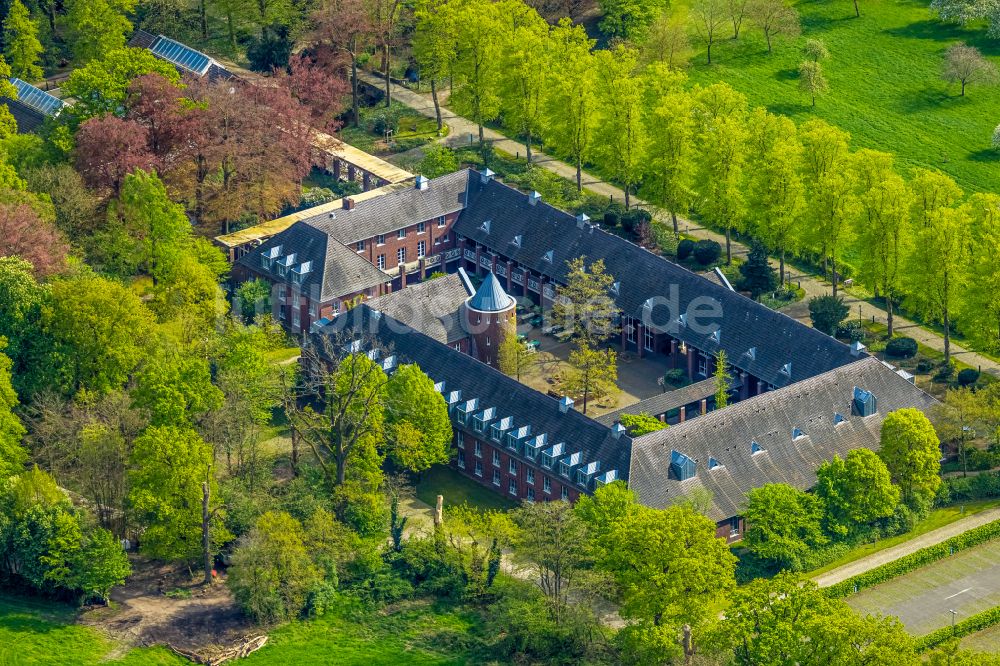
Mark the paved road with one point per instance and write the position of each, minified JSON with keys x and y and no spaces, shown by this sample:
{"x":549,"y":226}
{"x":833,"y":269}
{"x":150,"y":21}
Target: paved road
{"x":907,"y":547}
{"x":463,"y":131}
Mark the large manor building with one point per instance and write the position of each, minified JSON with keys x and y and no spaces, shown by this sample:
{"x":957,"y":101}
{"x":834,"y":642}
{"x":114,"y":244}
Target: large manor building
{"x":361,"y":269}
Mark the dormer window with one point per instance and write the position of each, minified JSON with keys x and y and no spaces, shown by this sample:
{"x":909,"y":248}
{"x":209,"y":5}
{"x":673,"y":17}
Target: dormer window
{"x":756,"y":448}
{"x":485,"y":226}
{"x":517,"y":241}
{"x":714,"y":464}
{"x":616,"y":288}
{"x":838,"y":418}
{"x":751,"y":353}
{"x":548,"y":256}
{"x":786,"y":369}
{"x":797,"y":434}
{"x":716,"y":335}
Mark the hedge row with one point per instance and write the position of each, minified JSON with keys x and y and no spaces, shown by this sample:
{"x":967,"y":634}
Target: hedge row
{"x":969,"y":625}
{"x":915,"y":560}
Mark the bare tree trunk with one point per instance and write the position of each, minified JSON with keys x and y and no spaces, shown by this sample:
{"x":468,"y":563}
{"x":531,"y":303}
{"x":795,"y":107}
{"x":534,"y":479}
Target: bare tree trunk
{"x":729,"y":245}
{"x":527,"y":146}
{"x":579,"y":174}
{"x":673,"y":216}
{"x":385,"y":69}
{"x":709,"y":52}
{"x":295,"y":451}
{"x":206,"y":519}
{"x":833,"y":265}
{"x":354,"y":92}
{"x":627,"y":200}
{"x":888,"y":310}
{"x":437,"y":105}
{"x":946,"y":321}
{"x":203,"y":15}
{"x":781,"y":265}
{"x":857,"y":10}
{"x":687,"y":643}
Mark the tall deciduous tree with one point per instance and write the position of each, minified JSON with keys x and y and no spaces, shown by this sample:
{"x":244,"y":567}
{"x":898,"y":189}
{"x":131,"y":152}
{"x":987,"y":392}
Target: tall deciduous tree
{"x":855,"y":490}
{"x":417,"y":423}
{"x":108,"y":149}
{"x":937,"y":262}
{"x":571,"y":104}
{"x":101,"y":86}
{"x":159,"y":225}
{"x":932,"y":191}
{"x":964,"y":64}
{"x":812,"y":81}
{"x":386,"y":17}
{"x":21,"y":47}
{"x":883,"y":229}
{"x":707,"y":18}
{"x":628,"y":19}
{"x":24,"y":234}
{"x":671,"y":167}
{"x":592,"y":374}
{"x":514,"y":357}
{"x":911,"y":450}
{"x":667,"y":41}
{"x":621,"y":129}
{"x":12,"y":454}
{"x":434,"y":45}
{"x":478,"y":64}
{"x":97,"y":27}
{"x":584,"y":305}
{"x":344,"y":26}
{"x":981,"y":297}
{"x":775,"y":18}
{"x":783,"y":524}
{"x":524,"y":82}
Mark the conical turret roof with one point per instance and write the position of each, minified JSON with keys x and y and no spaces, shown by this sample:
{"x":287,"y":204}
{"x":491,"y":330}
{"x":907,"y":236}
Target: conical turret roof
{"x":491,"y":297}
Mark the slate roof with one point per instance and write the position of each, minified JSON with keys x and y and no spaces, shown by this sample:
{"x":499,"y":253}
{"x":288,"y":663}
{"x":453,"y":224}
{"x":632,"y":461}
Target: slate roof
{"x":334,"y":269}
{"x":776,"y":338}
{"x":490,"y":297}
{"x":431,"y":307}
{"x":141,"y":39}
{"x":474,"y":379}
{"x":769,"y":419}
{"x":28,"y":120}
{"x":395,"y":210}
{"x":664,"y":402}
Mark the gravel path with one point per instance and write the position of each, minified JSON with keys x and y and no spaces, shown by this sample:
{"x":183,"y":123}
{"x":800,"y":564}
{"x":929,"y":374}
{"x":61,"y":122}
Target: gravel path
{"x":907,"y":547}
{"x":465,"y":132}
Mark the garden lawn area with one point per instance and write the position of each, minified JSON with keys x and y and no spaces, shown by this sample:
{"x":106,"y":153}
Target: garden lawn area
{"x":968,"y":582}
{"x":935,"y":519}
{"x":884,"y":78}
{"x":35,"y":632}
{"x":987,"y":640}
{"x":456,"y":489}
{"x":414,"y":129}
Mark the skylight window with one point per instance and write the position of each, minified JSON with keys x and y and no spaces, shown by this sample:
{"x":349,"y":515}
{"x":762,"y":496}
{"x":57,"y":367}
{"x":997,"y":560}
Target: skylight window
{"x":182,"y":56}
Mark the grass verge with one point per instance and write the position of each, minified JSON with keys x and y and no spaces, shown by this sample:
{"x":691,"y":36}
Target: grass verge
{"x":457,"y":489}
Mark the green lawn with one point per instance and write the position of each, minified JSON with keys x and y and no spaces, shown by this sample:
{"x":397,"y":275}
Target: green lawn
{"x":34,"y":632}
{"x":937,"y":518}
{"x":457,"y":489}
{"x":885,"y":85}
{"x":38,"y":632}
{"x":987,"y":640}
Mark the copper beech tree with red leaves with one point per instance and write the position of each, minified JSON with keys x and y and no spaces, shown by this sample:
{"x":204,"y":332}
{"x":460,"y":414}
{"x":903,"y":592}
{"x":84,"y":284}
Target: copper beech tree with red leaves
{"x":109,"y":148}
{"x":24,"y":234}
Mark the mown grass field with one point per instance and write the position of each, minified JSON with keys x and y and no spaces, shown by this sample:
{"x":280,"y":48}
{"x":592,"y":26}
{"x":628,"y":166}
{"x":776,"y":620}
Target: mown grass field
{"x":968,"y":582}
{"x":40,"y":633}
{"x":987,"y":640}
{"x":885,"y":84}
{"x":457,"y":489}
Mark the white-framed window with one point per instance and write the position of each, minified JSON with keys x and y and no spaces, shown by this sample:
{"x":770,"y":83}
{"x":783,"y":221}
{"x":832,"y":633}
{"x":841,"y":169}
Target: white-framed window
{"x":312,"y":310}
{"x":547,"y":485}
{"x":401,"y":234}
{"x":564,"y":494}
{"x":441,"y":221}
{"x":421,"y":249}
{"x":512,"y":487}
{"x":380,"y":262}
{"x":282,"y":270}
{"x":734,"y":526}
{"x":479,"y":468}
{"x":496,"y":477}
{"x":460,"y":439}
{"x":649,"y":339}
{"x":487,"y":341}
{"x":512,"y":466}
{"x":531,"y":494}
{"x":496,"y":458}
{"x":629,"y":331}
{"x":702,"y":365}
{"x":380,"y":239}
{"x":281,"y":313}
{"x":529,"y":476}
{"x":461,"y":462}
{"x":296,"y":320}
{"x":401,"y":256}
{"x":361,"y":246}
{"x":478,"y":449}
{"x":421,"y":227}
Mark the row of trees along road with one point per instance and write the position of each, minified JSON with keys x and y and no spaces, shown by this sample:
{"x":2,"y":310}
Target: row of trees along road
{"x":798,"y":189}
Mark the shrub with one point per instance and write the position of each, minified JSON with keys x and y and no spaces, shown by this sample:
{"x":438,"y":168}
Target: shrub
{"x":924,"y":365}
{"x":665,"y":239}
{"x":684,"y":249}
{"x":851,"y":330}
{"x":967,"y":377}
{"x":826,"y":312}
{"x":632,"y":219}
{"x":944,"y":373}
{"x":901,"y":347}
{"x":613,"y":215}
{"x":916,"y":560}
{"x":707,"y":251}
{"x":969,"y":625}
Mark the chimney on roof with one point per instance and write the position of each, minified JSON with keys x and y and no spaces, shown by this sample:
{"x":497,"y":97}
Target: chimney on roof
{"x":581,"y":220}
{"x":349,"y":203}
{"x":565,"y":404}
{"x":485,"y":176}
{"x":422,"y":183}
{"x":534,"y":197}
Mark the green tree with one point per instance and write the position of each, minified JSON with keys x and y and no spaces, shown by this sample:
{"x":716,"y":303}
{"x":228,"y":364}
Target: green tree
{"x":254,"y":298}
{"x":640,"y":424}
{"x":12,"y":454}
{"x":438,"y":161}
{"x":620,"y":128}
{"x":855,"y":490}
{"x":668,"y":564}
{"x":434,"y":47}
{"x":783,"y":621}
{"x":97,"y":333}
{"x":101,"y":86}
{"x":932,"y":192}
{"x":524,"y":80}
{"x":721,"y":378}
{"x":937,"y":261}
{"x":911,"y":450}
{"x":477,"y":67}
{"x":826,"y":312}
{"x":97,"y":27}
{"x":707,"y":19}
{"x":272,"y":571}
{"x":965,"y":64}
{"x":831,"y":204}
{"x":757,"y":275}
{"x":514,"y":356}
{"x":812,"y":81}
{"x":584,"y":305}
{"x":783,"y":524}
{"x":592,"y":373}
{"x":168,"y":466}
{"x":883,"y":232}
{"x":417,"y":425}
{"x":160,"y":227}
{"x":629,"y":19}
{"x":955,"y":416}
{"x":175,"y":387}
{"x":669,"y":180}
{"x":571,"y":104}
{"x":980,"y":314}
{"x":21,"y":47}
